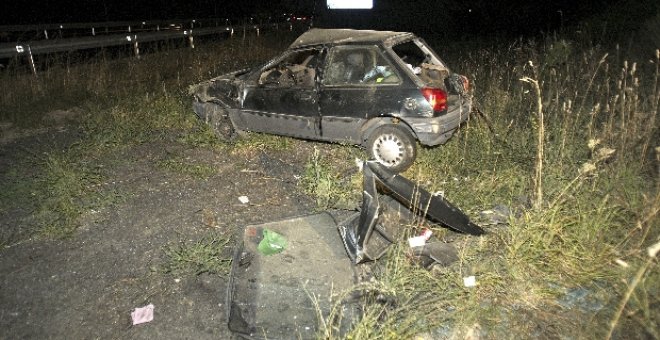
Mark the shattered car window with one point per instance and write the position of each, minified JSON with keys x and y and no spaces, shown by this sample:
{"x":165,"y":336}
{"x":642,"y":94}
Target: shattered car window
{"x":422,"y":62}
{"x":296,"y":69}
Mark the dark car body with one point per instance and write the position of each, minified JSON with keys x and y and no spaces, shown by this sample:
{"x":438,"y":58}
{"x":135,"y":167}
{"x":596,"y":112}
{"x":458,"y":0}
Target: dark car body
{"x":383,"y":90}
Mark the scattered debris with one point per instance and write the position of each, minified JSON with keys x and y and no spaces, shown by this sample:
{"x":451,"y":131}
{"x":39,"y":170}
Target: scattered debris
{"x":364,"y":236}
{"x":500,"y":214}
{"x":143,"y":314}
{"x":470,"y":281}
{"x":436,"y":253}
{"x":622,"y":263}
{"x":244,"y":199}
{"x":285,"y":296}
{"x":417,"y":241}
{"x":420,"y":241}
{"x":272,"y":243}
{"x":271,"y":296}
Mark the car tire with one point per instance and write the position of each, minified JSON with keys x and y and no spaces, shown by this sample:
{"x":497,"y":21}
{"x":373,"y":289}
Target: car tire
{"x":393,"y":146}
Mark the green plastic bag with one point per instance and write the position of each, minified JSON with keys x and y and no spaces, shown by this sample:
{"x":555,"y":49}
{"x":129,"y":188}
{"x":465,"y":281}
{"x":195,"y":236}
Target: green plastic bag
{"x":272,"y":243}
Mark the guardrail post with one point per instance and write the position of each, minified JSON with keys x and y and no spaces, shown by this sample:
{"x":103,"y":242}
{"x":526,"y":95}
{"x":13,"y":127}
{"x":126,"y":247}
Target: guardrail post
{"x":31,"y":60}
{"x":191,"y":40}
{"x":136,"y":47}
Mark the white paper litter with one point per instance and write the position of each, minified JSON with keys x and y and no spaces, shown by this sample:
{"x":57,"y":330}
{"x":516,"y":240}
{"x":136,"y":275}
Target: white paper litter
{"x":244,"y":199}
{"x":470,"y":281}
{"x":143,"y":314}
{"x":417,"y":241}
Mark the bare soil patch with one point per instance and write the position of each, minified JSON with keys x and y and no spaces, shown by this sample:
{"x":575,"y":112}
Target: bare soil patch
{"x":86,"y":286}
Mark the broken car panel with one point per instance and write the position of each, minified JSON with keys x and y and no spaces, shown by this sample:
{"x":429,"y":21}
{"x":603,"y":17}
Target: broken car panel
{"x":364,"y":236}
{"x":381,"y":90}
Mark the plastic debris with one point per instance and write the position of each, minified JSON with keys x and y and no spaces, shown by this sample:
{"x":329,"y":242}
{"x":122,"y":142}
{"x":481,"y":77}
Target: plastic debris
{"x":434,"y":254}
{"x":417,"y":241}
{"x":653,"y":250}
{"x":364,"y":241}
{"x":470,"y":281}
{"x":272,"y":243}
{"x":143,"y":314}
{"x":244,"y":199}
{"x":622,"y":263}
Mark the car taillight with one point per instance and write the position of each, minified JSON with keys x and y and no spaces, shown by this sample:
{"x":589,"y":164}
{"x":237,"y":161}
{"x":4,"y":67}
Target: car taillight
{"x":436,"y":97}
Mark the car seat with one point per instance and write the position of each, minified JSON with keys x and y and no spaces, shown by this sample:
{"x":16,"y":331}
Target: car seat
{"x":355,"y":68}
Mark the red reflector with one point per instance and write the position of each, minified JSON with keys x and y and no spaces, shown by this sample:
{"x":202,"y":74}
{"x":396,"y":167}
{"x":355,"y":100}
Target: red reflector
{"x":436,"y":97}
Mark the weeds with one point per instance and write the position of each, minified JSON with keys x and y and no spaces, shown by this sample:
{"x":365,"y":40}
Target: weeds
{"x":193,"y":258}
{"x":593,"y":121}
{"x":181,"y":166}
{"x":330,"y":188}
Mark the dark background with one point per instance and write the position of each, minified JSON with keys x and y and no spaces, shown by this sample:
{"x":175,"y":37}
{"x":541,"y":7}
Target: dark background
{"x":451,"y":16}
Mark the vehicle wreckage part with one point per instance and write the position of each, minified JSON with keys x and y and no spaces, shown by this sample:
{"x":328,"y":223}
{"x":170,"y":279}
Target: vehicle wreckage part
{"x":282,"y":295}
{"x":435,"y":207}
{"x":365,"y":237}
{"x":217,"y":118}
{"x":393,"y":146}
{"x":436,"y":253}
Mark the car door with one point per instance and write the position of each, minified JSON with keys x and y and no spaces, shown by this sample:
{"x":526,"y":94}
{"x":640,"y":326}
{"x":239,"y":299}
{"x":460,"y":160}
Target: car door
{"x":359,"y":83}
{"x":283,"y":98}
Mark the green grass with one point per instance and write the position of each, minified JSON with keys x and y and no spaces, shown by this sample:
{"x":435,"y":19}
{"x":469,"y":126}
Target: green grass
{"x":208,"y":255}
{"x":334,"y":184}
{"x":184,"y":167}
{"x":122,"y":103}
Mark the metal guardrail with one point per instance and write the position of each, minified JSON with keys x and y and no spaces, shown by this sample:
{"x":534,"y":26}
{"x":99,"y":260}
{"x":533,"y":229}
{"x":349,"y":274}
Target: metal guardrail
{"x":9,"y":50}
{"x":129,"y":25}
{"x":44,"y":46}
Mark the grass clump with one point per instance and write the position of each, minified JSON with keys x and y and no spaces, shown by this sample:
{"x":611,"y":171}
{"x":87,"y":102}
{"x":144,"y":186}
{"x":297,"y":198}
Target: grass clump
{"x":68,"y":193}
{"x":207,"y":255}
{"x":181,"y":166}
{"x":330,"y":182}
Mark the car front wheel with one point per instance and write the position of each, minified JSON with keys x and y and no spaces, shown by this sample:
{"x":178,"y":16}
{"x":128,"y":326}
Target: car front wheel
{"x":392,"y":146}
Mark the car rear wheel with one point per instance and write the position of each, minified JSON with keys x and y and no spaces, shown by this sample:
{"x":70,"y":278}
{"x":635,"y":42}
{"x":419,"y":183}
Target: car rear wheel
{"x":392,"y":146}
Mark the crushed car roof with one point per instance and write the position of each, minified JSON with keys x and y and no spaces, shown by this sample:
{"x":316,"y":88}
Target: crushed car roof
{"x":320,"y":36}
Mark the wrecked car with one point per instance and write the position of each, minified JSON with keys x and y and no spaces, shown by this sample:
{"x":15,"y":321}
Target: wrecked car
{"x":378,"y":89}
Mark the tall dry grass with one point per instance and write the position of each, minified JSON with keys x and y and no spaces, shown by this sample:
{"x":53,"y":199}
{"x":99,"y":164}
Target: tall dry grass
{"x":566,"y":140}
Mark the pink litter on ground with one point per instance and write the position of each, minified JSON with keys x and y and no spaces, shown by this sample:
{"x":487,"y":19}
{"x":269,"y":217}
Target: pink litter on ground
{"x":143,"y":314}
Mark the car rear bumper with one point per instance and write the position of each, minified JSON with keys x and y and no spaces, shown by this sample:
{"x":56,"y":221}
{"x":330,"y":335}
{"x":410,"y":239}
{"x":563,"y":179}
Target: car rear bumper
{"x":437,"y":130}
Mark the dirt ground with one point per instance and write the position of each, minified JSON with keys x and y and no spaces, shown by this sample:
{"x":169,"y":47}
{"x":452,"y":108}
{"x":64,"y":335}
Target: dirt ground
{"x":85,"y":287}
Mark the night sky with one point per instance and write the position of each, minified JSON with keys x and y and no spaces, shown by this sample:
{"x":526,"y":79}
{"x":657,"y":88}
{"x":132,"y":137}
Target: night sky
{"x":472,"y":16}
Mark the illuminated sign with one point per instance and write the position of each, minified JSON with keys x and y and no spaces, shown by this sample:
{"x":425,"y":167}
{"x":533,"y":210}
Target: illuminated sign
{"x":350,"y":4}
